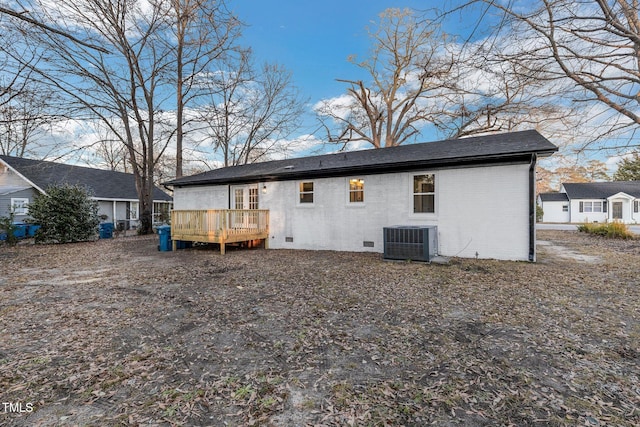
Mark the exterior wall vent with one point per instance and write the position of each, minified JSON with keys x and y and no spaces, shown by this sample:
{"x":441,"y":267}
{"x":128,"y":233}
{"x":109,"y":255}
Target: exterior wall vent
{"x":415,"y":243}
{"x":368,"y":244}
{"x":288,"y":239}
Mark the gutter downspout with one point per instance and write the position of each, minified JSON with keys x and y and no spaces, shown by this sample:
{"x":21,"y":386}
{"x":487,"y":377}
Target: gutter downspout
{"x":532,"y":208}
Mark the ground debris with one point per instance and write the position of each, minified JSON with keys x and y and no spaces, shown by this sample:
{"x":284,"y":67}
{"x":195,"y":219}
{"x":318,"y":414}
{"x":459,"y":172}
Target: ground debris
{"x":116,"y":333}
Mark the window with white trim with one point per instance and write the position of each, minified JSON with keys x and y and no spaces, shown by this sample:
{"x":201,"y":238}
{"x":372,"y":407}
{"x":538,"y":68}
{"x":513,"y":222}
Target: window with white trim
{"x":134,"y":210}
{"x":356,"y":190}
{"x":636,"y":206}
{"x":424,"y":193}
{"x":20,"y":206}
{"x":306,"y":192}
{"x":588,"y":207}
{"x":565,"y":208}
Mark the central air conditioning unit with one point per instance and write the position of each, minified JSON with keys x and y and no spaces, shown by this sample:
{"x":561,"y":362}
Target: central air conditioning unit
{"x":415,"y":243}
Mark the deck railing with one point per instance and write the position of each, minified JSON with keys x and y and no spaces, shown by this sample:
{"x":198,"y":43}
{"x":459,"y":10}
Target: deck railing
{"x":220,"y":225}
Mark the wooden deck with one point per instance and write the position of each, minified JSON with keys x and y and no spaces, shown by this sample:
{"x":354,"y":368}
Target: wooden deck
{"x":220,"y":226}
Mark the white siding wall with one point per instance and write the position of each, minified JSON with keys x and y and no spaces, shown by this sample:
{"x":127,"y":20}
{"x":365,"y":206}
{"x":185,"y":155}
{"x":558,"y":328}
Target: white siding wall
{"x":201,"y":197}
{"x":478,"y":210}
{"x":580,"y":217}
{"x":485,"y":211}
{"x":553,"y":212}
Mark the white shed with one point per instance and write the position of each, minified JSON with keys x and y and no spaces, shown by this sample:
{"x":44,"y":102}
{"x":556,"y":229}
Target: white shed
{"x":479,"y":192}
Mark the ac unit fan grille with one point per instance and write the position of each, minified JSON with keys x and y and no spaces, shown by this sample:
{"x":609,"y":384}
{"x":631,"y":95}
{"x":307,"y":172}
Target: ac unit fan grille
{"x":409,"y":243}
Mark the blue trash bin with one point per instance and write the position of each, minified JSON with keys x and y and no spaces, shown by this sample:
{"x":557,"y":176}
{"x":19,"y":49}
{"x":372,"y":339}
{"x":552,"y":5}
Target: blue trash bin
{"x":20,"y":230}
{"x":31,"y":230}
{"x":164,"y":232}
{"x":106,"y":230}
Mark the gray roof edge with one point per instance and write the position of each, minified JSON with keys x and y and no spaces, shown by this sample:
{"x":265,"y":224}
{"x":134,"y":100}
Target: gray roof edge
{"x":554,"y":197}
{"x":601,"y":190}
{"x":534,"y":144}
{"x":29,"y":169}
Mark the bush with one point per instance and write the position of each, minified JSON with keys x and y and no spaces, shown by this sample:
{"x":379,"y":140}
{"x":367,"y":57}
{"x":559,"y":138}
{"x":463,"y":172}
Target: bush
{"x":616,"y":229}
{"x":66,"y":214}
{"x":7,"y":228}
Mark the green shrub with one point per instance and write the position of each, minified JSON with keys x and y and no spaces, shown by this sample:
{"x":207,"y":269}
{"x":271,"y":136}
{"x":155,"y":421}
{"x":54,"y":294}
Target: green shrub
{"x":66,"y":214}
{"x":6,"y":226}
{"x":616,"y":229}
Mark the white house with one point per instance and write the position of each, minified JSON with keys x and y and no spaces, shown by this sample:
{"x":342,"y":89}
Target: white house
{"x":479,"y":192}
{"x":593,"y":202}
{"x":22,"y":179}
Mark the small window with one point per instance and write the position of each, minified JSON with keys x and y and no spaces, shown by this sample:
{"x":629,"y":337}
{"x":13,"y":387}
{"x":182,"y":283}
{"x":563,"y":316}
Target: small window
{"x":306,"y":192}
{"x":20,"y":206}
{"x":636,"y":206}
{"x":356,"y":190}
{"x":424,"y":187}
{"x":565,"y":208}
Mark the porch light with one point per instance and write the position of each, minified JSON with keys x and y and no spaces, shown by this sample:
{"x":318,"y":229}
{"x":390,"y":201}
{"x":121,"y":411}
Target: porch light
{"x":264,"y":189}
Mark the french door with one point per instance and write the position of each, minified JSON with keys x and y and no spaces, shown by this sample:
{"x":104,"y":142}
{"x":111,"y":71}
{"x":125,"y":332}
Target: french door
{"x":245,"y":197}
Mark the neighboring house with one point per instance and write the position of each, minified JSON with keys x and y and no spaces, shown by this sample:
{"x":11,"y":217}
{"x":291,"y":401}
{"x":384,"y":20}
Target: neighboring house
{"x":22,"y":179}
{"x":593,"y":202}
{"x":479,"y":192}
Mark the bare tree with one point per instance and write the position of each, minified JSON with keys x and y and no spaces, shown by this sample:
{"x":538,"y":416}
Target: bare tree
{"x":27,"y":108}
{"x":204,"y":30}
{"x":124,"y":89}
{"x":25,"y":122}
{"x":408,"y":67}
{"x":493,"y":95}
{"x":591,"y":45}
{"x":250,"y":112}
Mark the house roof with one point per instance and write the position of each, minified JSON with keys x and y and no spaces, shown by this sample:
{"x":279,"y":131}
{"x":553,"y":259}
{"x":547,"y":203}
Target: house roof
{"x":554,"y":197}
{"x":104,"y":184}
{"x":515,"y":146}
{"x":601,"y":190}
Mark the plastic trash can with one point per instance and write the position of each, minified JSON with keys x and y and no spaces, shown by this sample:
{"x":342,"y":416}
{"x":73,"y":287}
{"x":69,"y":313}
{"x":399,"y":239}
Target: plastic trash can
{"x":20,"y":230}
{"x":106,"y":230}
{"x":31,"y":230}
{"x":164,"y":232}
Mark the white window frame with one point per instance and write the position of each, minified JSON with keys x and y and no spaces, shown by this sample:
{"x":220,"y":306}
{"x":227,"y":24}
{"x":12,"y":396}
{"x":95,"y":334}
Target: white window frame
{"x":254,"y":197}
{"x":134,"y":211}
{"x":238,"y":198}
{"x":20,"y":205}
{"x":591,"y":205}
{"x":351,"y":191}
{"x":432,"y":193}
{"x":301,"y":193}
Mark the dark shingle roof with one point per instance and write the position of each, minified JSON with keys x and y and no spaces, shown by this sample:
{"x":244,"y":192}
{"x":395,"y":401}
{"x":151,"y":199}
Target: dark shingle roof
{"x":601,"y":190}
{"x":476,"y":150}
{"x":103,"y":184}
{"x":554,"y":197}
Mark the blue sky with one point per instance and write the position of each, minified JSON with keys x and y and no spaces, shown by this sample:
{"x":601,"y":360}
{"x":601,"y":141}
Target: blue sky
{"x":313,"y":39}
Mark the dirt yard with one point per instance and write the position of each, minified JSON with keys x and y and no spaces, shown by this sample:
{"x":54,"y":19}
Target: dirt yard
{"x":116,"y":333}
